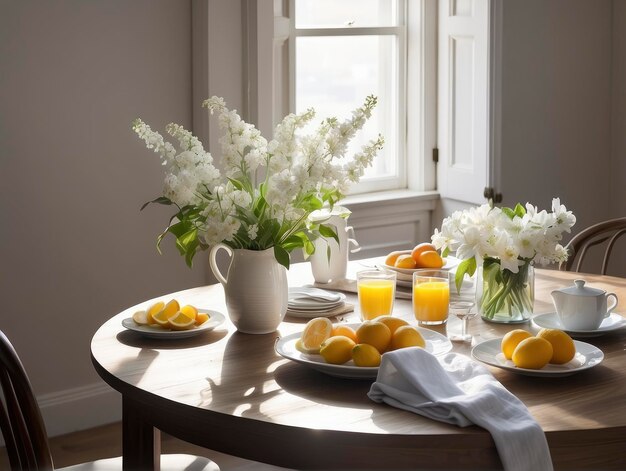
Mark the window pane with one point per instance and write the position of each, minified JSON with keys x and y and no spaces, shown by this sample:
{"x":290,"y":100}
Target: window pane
{"x":334,"y":75}
{"x":334,"y":14}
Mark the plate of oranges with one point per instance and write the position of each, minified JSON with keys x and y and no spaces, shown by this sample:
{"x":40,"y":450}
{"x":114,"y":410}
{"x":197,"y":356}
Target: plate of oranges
{"x":424,"y":255}
{"x":550,"y":353}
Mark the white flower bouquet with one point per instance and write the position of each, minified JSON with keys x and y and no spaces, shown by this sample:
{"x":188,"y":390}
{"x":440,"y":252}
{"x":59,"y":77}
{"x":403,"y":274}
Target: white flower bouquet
{"x":264,"y":192}
{"x":506,"y":242}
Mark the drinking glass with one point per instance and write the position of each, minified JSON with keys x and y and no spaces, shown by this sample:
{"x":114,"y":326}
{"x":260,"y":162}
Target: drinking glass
{"x":463,"y":310}
{"x":431,"y":296}
{"x":376,"y":290}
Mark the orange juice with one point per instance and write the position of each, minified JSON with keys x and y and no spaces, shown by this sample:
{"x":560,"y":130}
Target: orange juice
{"x":375,"y":298}
{"x":430,"y":301}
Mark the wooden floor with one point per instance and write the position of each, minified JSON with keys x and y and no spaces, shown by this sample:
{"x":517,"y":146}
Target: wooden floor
{"x":106,"y":442}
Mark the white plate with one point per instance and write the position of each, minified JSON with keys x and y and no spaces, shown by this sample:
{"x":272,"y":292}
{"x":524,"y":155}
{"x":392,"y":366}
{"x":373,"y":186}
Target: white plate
{"x":551,"y":321}
{"x":436,"y":344}
{"x":303,"y":314}
{"x":587,"y":356}
{"x":154,"y":332}
{"x":314,"y":306}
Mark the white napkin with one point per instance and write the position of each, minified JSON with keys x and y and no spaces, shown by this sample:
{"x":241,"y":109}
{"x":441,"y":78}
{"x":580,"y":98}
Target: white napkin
{"x":459,"y":391}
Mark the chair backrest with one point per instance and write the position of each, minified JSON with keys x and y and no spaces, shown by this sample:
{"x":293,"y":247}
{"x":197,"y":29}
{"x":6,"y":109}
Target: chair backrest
{"x":21,"y":422}
{"x":607,"y":231}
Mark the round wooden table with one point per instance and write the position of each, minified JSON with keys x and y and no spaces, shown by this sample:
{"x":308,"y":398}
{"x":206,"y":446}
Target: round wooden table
{"x":231,"y":392}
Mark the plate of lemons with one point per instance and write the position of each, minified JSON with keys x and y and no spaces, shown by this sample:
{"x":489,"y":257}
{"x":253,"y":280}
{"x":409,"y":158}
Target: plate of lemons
{"x":550,"y":353}
{"x":354,"y":350}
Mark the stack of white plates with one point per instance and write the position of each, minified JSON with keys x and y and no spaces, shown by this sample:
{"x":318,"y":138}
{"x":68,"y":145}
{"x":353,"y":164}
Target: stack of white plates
{"x":311,"y":302}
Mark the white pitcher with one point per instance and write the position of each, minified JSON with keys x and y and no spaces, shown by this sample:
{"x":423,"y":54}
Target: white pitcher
{"x":256,"y":289}
{"x":333,"y":268}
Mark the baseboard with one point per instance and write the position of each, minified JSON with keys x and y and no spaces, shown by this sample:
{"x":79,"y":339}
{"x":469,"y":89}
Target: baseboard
{"x":80,"y":408}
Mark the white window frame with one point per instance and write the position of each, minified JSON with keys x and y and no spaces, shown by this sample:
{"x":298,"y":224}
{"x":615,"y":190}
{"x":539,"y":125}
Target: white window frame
{"x":399,"y":180}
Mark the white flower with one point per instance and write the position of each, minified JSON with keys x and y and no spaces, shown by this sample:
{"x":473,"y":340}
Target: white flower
{"x":252,"y":231}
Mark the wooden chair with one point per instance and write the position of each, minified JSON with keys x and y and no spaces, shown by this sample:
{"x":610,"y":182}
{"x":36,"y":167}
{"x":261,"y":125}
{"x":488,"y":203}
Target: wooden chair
{"x":610,"y":231}
{"x":24,"y":431}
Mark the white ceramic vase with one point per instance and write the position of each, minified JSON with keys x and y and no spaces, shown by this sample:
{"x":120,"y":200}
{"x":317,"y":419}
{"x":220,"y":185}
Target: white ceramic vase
{"x":255,"y":287}
{"x":327,"y":268}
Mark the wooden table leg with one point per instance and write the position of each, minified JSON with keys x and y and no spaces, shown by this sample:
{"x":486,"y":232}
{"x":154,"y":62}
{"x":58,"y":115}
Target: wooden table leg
{"x":141,"y":442}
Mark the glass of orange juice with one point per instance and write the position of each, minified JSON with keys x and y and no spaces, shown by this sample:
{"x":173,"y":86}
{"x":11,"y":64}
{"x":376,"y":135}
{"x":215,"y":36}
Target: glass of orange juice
{"x":376,"y":290}
{"x":431,"y":296}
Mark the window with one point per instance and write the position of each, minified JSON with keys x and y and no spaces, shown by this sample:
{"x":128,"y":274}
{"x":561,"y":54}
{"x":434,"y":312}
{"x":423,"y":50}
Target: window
{"x":342,"y":51}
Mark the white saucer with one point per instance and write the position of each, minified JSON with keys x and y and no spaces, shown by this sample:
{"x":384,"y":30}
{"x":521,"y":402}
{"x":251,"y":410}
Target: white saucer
{"x":551,"y":321}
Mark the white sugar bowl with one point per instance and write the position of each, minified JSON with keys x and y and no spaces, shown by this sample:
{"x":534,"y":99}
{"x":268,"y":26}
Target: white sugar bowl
{"x":580,"y":307}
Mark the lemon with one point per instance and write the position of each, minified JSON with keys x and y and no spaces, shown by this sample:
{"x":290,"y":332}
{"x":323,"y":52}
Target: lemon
{"x":392,"y":322}
{"x":562,"y":345}
{"x":140,"y":317}
{"x":365,"y":355}
{"x":162,"y":317}
{"x":406,"y":336}
{"x":337,"y":349}
{"x":152,"y":310}
{"x":180,"y":321}
{"x":201,"y":318}
{"x":532,"y":353}
{"x":315,"y":332}
{"x":342,"y":329}
{"x":511,"y":340}
{"x":375,"y":334}
{"x":189,"y":311}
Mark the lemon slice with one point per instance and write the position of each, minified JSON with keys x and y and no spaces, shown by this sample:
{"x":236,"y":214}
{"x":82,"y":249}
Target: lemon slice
{"x":154,"y":309}
{"x":316,"y":331}
{"x":162,"y":317}
{"x":201,"y":318}
{"x":180,"y":321}
{"x":141,"y":318}
{"x":189,"y":311}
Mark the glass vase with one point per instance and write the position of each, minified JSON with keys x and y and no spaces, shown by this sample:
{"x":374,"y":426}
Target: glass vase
{"x":503,"y":296}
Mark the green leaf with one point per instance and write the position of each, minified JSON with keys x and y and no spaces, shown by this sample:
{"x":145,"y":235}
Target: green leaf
{"x":445,"y":252}
{"x":236,"y":183}
{"x":189,"y":237}
{"x":328,"y":232}
{"x":466,"y":266}
{"x":159,"y":200}
{"x":520,"y":211}
{"x":509,"y":212}
{"x":282,"y":256}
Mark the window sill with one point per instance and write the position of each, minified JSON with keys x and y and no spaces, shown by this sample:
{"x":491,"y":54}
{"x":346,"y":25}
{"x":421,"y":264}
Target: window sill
{"x":393,"y":197}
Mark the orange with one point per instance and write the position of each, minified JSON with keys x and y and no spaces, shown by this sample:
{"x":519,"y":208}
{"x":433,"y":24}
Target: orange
{"x":180,"y":321}
{"x":337,"y":349}
{"x":406,"y":336}
{"x":375,"y":334}
{"x":315,"y":332}
{"x":562,"y":345}
{"x":420,"y":248}
{"x":392,"y":257}
{"x":510,"y":341}
{"x":532,"y":353}
{"x":364,"y":354}
{"x":405,"y":261}
{"x":201,"y":318}
{"x":429,"y":259}
{"x":392,"y":322}
{"x":344,"y":330}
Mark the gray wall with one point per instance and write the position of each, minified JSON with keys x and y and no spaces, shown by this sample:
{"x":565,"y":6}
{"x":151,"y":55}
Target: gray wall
{"x":74,"y":247}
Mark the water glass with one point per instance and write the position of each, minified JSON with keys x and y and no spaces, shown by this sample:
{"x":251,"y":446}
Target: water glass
{"x":464,"y":311}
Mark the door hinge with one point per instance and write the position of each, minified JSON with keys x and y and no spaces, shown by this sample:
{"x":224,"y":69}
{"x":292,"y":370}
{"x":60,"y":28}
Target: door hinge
{"x":491,"y":195}
{"x":435,"y":155}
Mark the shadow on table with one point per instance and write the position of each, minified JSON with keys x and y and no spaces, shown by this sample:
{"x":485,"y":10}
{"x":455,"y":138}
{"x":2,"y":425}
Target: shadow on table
{"x":134,"y":339}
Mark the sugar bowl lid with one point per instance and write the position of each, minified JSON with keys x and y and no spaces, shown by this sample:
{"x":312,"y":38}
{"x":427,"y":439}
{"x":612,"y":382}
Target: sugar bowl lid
{"x":579,"y":289}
